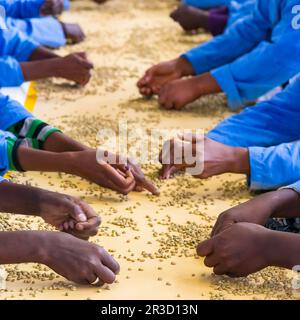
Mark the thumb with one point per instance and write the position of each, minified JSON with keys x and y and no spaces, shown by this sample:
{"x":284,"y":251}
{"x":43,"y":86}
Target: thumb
{"x":205,"y":248}
{"x":84,"y":60}
{"x":77,"y":213}
{"x":81,"y":55}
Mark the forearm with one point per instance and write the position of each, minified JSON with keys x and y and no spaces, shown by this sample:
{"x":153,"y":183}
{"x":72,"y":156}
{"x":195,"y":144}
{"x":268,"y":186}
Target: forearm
{"x":59,"y":142}
{"x":286,"y":204}
{"x":36,"y":70}
{"x":206,"y":84}
{"x":19,"y":199}
{"x":22,"y":246}
{"x":38,"y":160}
{"x":284,"y":249}
{"x":42,"y":53}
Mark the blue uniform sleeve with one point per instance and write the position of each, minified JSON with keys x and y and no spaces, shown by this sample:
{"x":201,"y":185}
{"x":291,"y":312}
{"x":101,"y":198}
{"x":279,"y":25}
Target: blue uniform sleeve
{"x":205,"y":4}
{"x":238,"y":39}
{"x":2,"y":179}
{"x":269,"y":65}
{"x":4,"y":152}
{"x":22,"y":8}
{"x":11,"y":112}
{"x":11,"y":72}
{"x":67,"y":5}
{"x":274,"y":167}
{"x":16,"y":44}
{"x":267,"y":124}
{"x":47,"y":31}
{"x":295,"y":186}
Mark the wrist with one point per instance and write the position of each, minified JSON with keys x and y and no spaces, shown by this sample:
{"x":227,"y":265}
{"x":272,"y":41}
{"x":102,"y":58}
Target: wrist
{"x":38,"y":241}
{"x":56,"y":66}
{"x":45,"y":244}
{"x":206,"y":84}
{"x":67,"y":162}
{"x":184,"y":67}
{"x":287,"y":253}
{"x":240,"y":162}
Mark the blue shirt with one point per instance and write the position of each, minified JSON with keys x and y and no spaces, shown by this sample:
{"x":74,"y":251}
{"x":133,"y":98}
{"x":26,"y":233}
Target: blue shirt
{"x":206,"y":4}
{"x":271,"y":132}
{"x":255,"y":54}
{"x":236,"y":8}
{"x":11,"y":112}
{"x":15,"y":47}
{"x":295,"y":186}
{"x":47,"y":31}
{"x":22,"y":8}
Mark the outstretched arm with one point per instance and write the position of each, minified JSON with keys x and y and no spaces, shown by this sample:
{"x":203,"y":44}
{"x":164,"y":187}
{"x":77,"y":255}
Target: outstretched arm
{"x":243,"y":36}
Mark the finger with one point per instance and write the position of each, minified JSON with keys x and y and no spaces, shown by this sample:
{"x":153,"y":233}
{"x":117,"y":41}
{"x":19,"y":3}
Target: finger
{"x":81,"y":54}
{"x":100,"y":283}
{"x":91,"y":224}
{"x":174,"y":15}
{"x":148,"y":185}
{"x":104,"y":273}
{"x":66,"y":226}
{"x":220,"y":227}
{"x":87,"y":64}
{"x":84,"y":60}
{"x":116,"y":178}
{"x":122,"y":190}
{"x":141,"y":83}
{"x":91,"y":278}
{"x":88,"y":210}
{"x":171,"y":172}
{"x":211,"y":260}
{"x":167,"y":171}
{"x":71,"y":224}
{"x":76,"y":212}
{"x":220,"y":270}
{"x":143,"y":182}
{"x":205,"y":248}
{"x":110,"y":262}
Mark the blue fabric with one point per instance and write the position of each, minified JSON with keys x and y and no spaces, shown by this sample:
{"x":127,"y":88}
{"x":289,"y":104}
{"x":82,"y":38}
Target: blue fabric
{"x":271,"y":132}
{"x":2,"y":179}
{"x":11,"y":112}
{"x":294,"y":186}
{"x":16,"y":44}
{"x":239,"y":9}
{"x":67,"y":4}
{"x":4,"y":162}
{"x":15,"y":47}
{"x":236,"y":8}
{"x":265,"y":55}
{"x":274,"y":167}
{"x":22,"y":8}
{"x":206,"y":4}
{"x":47,"y":31}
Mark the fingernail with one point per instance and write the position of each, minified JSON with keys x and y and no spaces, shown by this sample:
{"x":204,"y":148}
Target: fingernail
{"x":82,"y":217}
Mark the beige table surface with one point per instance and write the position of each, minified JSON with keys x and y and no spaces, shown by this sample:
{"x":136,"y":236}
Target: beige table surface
{"x":124,"y":38}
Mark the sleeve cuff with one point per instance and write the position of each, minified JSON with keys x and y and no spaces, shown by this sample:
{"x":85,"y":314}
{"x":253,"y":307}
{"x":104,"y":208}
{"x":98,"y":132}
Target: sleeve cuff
{"x":67,"y":5}
{"x":38,"y":6}
{"x":2,"y":179}
{"x":257,"y":171}
{"x":294,"y":186}
{"x":11,"y":71}
{"x":225,"y":79}
{"x":4,"y":159}
{"x":197,"y":61}
{"x":28,"y":49}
